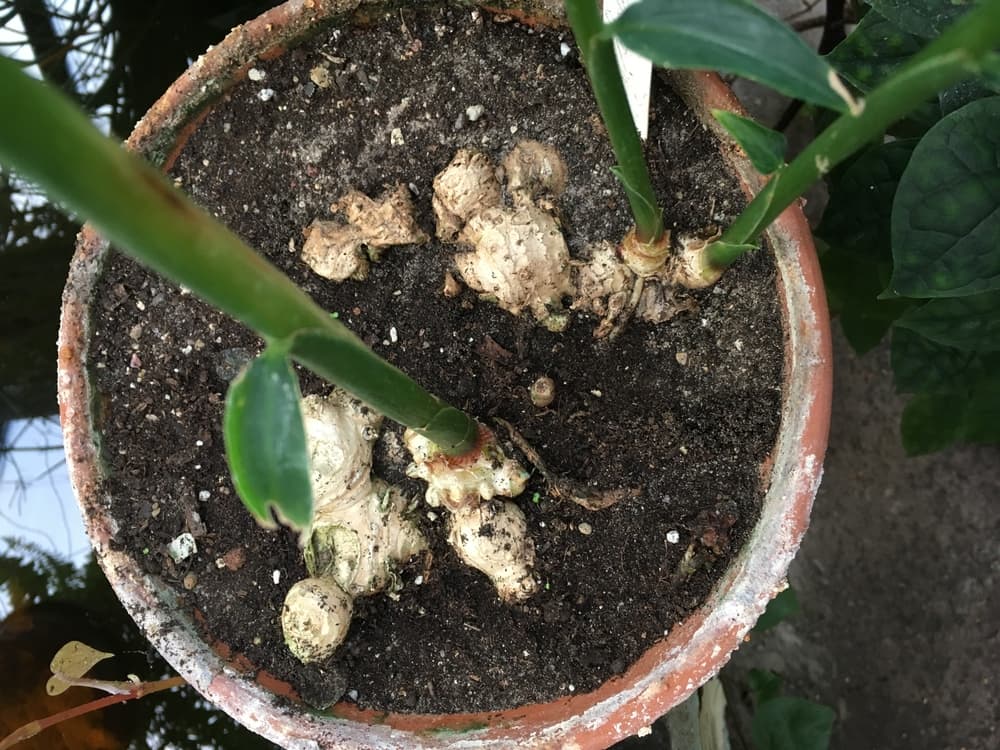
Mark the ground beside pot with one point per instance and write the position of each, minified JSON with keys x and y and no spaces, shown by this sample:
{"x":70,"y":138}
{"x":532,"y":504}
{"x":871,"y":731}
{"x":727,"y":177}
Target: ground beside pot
{"x":510,"y":355}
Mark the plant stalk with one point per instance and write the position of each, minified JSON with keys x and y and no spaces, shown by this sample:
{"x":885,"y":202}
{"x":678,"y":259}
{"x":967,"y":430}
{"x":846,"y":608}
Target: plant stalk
{"x":609,"y":91}
{"x":951,"y":57}
{"x":29,"y":730}
{"x":52,"y":143}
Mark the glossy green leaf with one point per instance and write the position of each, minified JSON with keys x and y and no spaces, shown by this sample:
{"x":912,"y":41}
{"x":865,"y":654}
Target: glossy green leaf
{"x":871,"y":53}
{"x":857,"y":219}
{"x":932,"y":421}
{"x":875,"y":48}
{"x":923,"y":18}
{"x":764,"y":147}
{"x":266,"y":441}
{"x":971,"y":324}
{"x":780,"y":608}
{"x":921,"y":365}
{"x":764,"y":684}
{"x":853,"y":285}
{"x":730,"y":36}
{"x":962,"y":93}
{"x":792,"y":724}
{"x":946,"y":214}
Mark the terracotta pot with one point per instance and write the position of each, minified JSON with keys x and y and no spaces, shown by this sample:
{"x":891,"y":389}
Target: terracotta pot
{"x":664,"y":676}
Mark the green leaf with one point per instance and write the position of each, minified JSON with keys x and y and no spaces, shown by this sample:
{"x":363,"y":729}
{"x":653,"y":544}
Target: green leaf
{"x":921,"y":365}
{"x":764,"y":684}
{"x":871,"y":53}
{"x":962,"y":93}
{"x":946,"y":214}
{"x":730,"y":36}
{"x":932,"y":421}
{"x":756,"y":211}
{"x":637,"y":194}
{"x":266,"y":441}
{"x":764,"y":147}
{"x":781,"y":607}
{"x":853,"y":285}
{"x":857,"y":219}
{"x":856,"y":228}
{"x":924,"y":18}
{"x":971,"y":324}
{"x":723,"y":254}
{"x":792,"y":724}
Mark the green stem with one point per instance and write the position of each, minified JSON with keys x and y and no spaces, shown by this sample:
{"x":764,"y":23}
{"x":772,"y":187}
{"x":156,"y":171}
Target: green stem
{"x":609,"y":91}
{"x":52,"y":143}
{"x":954,"y":55}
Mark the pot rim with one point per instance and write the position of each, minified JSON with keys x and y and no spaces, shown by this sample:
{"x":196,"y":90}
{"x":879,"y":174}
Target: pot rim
{"x":666,"y":674}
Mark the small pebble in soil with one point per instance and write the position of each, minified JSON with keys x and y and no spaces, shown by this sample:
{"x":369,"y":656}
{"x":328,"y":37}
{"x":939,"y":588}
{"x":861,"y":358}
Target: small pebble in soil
{"x":396,"y":137}
{"x":265,"y":95}
{"x":585,"y":528}
{"x":233,"y":560}
{"x":256,"y":74}
{"x":542,"y":392}
{"x":204,"y":495}
{"x":682,"y":358}
{"x":563,"y":49}
{"x":673,"y":536}
{"x":182,"y":547}
{"x":190,"y":581}
{"x":474,"y":112}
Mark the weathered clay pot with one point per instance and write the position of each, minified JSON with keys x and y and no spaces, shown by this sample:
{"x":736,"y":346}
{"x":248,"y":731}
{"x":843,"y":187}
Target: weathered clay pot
{"x":664,"y":676}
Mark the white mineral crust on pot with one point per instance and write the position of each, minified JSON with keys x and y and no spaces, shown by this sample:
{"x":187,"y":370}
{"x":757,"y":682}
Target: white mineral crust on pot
{"x":493,"y":538}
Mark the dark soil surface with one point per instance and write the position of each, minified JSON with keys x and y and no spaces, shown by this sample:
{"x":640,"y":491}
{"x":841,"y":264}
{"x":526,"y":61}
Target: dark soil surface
{"x":683,"y":412}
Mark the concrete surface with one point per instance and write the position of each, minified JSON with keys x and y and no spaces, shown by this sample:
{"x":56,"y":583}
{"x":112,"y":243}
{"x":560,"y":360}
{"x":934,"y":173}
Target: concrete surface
{"x":899,"y":582}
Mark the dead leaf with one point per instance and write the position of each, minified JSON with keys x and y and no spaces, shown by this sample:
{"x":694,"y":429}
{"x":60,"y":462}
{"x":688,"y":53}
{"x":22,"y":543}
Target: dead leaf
{"x":73,"y":660}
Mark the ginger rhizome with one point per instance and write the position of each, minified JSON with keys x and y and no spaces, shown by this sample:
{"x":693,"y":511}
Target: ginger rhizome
{"x":505,"y":226}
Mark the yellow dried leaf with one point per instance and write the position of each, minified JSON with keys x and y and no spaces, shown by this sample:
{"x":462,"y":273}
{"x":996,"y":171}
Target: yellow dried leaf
{"x":73,"y":660}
